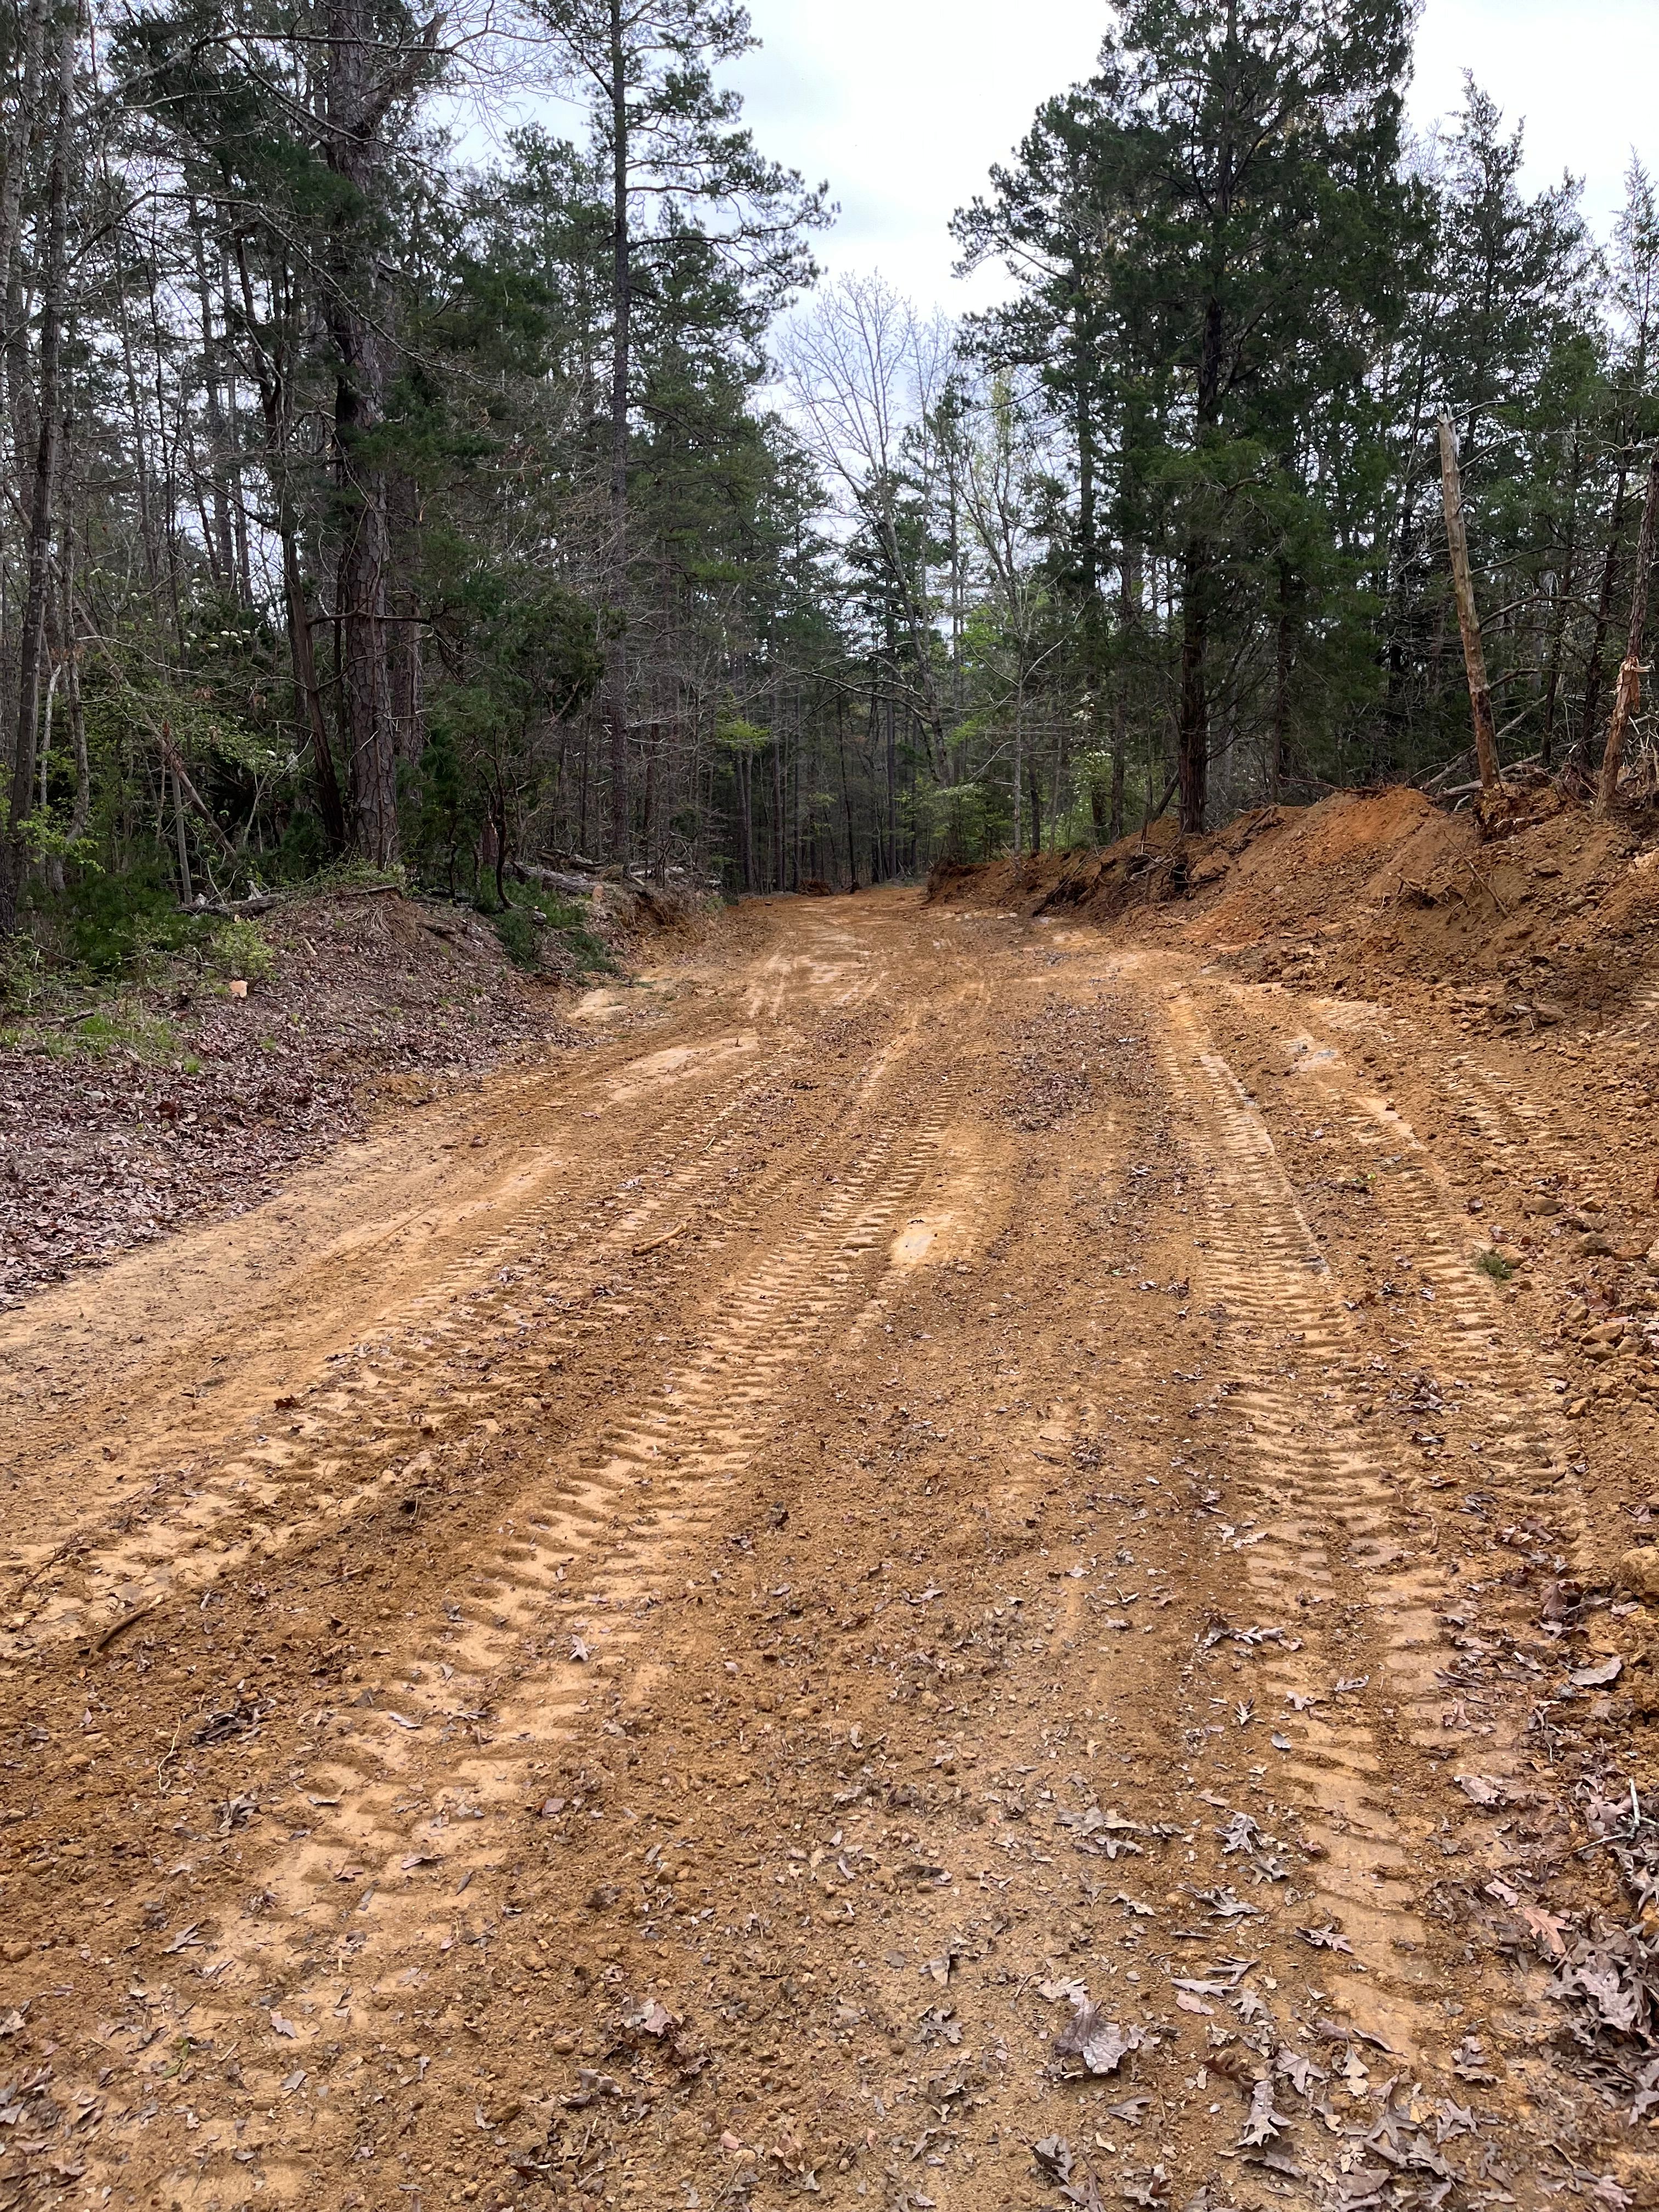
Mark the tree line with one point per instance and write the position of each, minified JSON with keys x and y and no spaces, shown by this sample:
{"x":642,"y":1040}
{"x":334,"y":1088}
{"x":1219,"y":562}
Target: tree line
{"x":371,"y":496}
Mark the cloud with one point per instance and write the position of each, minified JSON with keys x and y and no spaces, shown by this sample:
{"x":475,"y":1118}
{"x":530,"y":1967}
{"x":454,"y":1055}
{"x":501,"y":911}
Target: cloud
{"x":904,"y":105}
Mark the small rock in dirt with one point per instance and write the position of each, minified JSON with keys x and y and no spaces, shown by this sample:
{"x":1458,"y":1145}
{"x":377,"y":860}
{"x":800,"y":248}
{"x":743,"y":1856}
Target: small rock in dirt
{"x":1638,"y":1570}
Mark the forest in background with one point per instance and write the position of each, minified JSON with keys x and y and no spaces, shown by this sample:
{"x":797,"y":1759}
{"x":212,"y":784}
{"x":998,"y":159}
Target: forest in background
{"x":368,"y":503}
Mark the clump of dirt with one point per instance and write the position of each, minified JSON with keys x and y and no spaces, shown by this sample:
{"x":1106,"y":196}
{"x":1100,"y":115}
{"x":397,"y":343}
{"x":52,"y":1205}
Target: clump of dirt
{"x":1369,"y":890}
{"x":126,"y":1114}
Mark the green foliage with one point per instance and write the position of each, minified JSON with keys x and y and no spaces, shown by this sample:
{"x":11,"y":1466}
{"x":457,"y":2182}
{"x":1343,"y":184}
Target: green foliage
{"x":450,"y":809}
{"x":115,"y":925}
{"x":117,"y":1029}
{"x":733,"y":735}
{"x":520,"y":937}
{"x":1173,"y":504}
{"x":238,"y":948}
{"x":1490,"y":1263}
{"x":530,"y":913}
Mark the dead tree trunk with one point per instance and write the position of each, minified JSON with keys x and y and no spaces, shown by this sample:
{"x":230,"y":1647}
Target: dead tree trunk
{"x":1630,"y":674}
{"x":1468,"y":621}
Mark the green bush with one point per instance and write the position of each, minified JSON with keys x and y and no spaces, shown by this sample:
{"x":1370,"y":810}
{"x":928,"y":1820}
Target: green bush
{"x":238,"y":949}
{"x":519,"y":927}
{"x":571,"y":922}
{"x":517,"y":932}
{"x":1489,"y":1264}
{"x":112,"y":926}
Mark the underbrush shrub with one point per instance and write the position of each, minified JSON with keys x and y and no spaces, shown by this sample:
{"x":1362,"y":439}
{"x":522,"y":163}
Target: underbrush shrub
{"x":104,"y":928}
{"x":238,"y":949}
{"x":520,"y":937}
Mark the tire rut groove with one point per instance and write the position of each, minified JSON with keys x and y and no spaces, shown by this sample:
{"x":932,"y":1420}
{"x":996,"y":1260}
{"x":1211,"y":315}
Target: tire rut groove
{"x":577,"y":1567}
{"x":1335,"y":1541}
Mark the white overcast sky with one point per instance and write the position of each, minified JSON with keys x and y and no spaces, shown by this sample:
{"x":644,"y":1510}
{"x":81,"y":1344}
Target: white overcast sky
{"x":903,"y":105}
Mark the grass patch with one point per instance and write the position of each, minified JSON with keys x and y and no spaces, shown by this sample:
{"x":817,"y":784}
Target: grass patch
{"x":107,"y":1031}
{"x":1489,"y":1263}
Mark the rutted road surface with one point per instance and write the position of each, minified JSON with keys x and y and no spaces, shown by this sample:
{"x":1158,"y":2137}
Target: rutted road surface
{"x":843,"y":1592}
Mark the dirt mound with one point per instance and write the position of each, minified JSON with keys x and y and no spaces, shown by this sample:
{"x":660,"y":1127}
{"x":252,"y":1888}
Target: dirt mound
{"x":125,"y":1115}
{"x":1371,"y":889}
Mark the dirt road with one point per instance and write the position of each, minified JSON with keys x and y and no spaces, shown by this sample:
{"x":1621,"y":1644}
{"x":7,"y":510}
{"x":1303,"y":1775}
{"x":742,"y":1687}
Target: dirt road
{"x":645,"y":1637}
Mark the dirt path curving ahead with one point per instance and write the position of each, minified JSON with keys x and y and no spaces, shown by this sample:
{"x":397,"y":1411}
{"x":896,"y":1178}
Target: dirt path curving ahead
{"x":888,"y":1585}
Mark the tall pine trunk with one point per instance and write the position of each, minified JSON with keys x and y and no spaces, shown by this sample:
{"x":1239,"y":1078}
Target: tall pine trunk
{"x":616,"y":660}
{"x":1193,"y":738}
{"x":407,"y":664}
{"x":48,"y":416}
{"x":1563,"y":601}
{"x":1589,"y":713}
{"x":357,"y":306}
{"x":1629,"y":692}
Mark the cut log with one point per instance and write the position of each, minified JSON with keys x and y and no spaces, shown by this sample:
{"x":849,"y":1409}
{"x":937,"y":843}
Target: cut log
{"x":555,"y":879}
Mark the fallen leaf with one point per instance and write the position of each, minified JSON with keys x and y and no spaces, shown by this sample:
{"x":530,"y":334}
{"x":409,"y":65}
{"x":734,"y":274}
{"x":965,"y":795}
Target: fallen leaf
{"x":1484,"y":1790}
{"x":1469,"y":2061}
{"x":1326,"y":1939}
{"x":1103,"y":2045}
{"x":1547,"y":1928}
{"x":1298,"y":2071}
{"x":1054,"y":2157}
{"x":1263,"y":2125}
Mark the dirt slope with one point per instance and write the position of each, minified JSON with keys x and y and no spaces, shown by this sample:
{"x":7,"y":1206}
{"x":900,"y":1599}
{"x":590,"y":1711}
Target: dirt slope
{"x":647,"y":1639}
{"x":123,"y":1114}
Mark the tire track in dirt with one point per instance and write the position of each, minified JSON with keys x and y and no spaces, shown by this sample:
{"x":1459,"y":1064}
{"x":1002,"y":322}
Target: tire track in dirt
{"x":1461,"y":1323}
{"x":1333,"y":1553}
{"x":152,"y":1543}
{"x":474,"y":1313}
{"x":496,"y":1692}
{"x":1509,"y":1123}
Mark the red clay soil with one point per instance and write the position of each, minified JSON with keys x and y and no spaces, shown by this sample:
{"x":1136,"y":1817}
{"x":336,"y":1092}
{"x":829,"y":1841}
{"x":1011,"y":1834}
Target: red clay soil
{"x":997,"y":1557}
